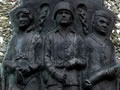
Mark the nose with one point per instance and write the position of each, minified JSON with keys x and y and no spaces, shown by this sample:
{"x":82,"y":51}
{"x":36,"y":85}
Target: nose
{"x":63,"y":14}
{"x":105,"y":25}
{"x":20,"y":19}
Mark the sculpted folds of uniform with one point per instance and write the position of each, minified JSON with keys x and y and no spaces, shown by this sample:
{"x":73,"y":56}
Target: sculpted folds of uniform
{"x":61,"y":45}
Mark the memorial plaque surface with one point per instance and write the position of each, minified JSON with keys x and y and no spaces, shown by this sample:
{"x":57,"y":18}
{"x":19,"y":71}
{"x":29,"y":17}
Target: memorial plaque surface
{"x":61,"y":45}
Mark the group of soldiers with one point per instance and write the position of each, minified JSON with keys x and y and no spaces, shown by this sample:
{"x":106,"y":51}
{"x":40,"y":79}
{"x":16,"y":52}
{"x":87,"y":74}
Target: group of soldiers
{"x":62,"y":60}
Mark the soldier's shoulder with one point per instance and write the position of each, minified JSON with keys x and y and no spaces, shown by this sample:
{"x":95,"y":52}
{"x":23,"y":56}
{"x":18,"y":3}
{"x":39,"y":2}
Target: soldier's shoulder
{"x":88,"y":38}
{"x":110,"y":43}
{"x":13,"y":38}
{"x":50,"y":34}
{"x":37,"y":38}
{"x":37,"y":35}
{"x":79,"y":37}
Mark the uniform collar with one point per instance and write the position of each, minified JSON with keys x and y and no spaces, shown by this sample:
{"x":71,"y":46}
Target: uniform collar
{"x":30,"y":28}
{"x":97,"y":38}
{"x":70,"y":29}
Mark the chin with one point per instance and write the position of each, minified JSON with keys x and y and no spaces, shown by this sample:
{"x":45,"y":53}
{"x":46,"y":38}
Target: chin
{"x":22,"y":26}
{"x":103,"y":33}
{"x":64,"y":23}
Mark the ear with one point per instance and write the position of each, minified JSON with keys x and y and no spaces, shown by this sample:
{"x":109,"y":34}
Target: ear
{"x":93,"y":23}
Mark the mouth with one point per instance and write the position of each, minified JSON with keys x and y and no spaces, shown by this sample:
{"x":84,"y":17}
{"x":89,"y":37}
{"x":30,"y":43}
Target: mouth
{"x":64,"y":20}
{"x":22,"y":22}
{"x":103,"y":30}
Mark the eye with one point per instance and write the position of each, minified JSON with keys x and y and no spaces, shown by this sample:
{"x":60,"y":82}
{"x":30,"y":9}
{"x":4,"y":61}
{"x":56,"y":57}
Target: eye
{"x":60,"y":12}
{"x":18,"y":17}
{"x":107,"y":23}
{"x":24,"y":15}
{"x":102,"y":21}
{"x":67,"y":12}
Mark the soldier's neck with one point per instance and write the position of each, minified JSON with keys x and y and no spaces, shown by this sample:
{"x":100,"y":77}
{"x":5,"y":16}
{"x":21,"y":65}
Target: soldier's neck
{"x":23,"y":29}
{"x":102,"y":37}
{"x":65,"y":28}
{"x":64,"y":31}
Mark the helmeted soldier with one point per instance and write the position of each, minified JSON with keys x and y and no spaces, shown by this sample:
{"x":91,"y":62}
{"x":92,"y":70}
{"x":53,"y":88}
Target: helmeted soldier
{"x":101,"y":72}
{"x":23,"y":59}
{"x":62,"y":55}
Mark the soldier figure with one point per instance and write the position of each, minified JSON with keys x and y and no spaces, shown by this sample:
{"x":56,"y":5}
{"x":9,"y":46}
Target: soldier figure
{"x":23,"y":59}
{"x":62,"y":56}
{"x":100,"y":55}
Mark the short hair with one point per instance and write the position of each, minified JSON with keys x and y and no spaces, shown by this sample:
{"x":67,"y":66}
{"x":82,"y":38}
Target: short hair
{"x":25,"y":11}
{"x":103,"y":13}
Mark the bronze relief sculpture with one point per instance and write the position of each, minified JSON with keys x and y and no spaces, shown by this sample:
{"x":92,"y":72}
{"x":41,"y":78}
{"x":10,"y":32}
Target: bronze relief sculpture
{"x":21,"y":63}
{"x":61,"y":45}
{"x":100,"y":54}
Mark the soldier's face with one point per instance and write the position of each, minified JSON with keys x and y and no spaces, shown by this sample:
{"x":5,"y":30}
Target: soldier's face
{"x":23,"y":20}
{"x":101,"y":25}
{"x":64,"y":17}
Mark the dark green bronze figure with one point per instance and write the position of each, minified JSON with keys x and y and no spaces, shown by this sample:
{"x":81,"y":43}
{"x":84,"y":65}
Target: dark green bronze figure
{"x":23,"y":59}
{"x":61,"y":45}
{"x":102,"y":67}
{"x":62,"y":55}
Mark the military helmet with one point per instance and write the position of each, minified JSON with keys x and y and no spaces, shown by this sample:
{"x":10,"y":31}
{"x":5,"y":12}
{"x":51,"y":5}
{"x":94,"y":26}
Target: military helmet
{"x":63,"y":5}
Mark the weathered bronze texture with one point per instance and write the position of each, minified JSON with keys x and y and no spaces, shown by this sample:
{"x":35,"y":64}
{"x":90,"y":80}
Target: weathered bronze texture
{"x":22,"y":61}
{"x":61,"y":45}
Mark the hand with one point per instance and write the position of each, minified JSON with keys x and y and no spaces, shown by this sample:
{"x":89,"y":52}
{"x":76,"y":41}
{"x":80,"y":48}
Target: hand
{"x":80,"y":64}
{"x":113,"y":72}
{"x":10,"y":65}
{"x":23,"y":70}
{"x":75,"y":61}
{"x":68,"y":65}
{"x":60,"y":77}
{"x":87,"y":85}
